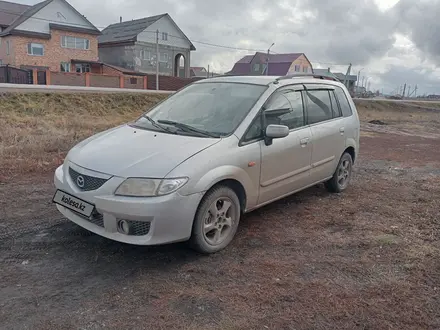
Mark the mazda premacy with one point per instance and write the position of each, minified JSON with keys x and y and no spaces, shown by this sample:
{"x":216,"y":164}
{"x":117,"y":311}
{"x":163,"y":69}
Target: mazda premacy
{"x":187,"y":169}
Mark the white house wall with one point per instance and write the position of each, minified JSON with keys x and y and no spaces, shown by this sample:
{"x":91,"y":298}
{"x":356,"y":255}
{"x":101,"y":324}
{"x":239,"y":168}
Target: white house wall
{"x":56,"y":12}
{"x":164,"y":25}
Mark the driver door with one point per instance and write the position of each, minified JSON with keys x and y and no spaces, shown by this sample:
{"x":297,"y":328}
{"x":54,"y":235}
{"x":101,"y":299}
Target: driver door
{"x":286,"y":163}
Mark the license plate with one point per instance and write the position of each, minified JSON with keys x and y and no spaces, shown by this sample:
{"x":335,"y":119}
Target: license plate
{"x":73,"y":203}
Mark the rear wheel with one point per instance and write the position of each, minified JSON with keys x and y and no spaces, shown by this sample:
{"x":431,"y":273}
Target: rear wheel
{"x":342,"y":176}
{"x":216,"y":220}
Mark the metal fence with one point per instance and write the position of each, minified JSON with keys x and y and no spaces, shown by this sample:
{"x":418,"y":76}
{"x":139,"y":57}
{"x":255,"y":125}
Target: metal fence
{"x":12,"y":75}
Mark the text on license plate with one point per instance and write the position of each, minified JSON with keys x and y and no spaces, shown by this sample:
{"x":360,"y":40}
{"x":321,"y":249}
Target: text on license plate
{"x":73,"y":203}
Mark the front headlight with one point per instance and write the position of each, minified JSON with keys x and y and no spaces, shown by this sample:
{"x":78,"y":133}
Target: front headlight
{"x":138,"y":187}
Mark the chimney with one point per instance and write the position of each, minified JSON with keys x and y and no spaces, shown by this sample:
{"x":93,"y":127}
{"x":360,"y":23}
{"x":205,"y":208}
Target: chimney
{"x":120,"y":19}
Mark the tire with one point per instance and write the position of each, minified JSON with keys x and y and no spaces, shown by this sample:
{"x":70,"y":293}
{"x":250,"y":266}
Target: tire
{"x":342,"y":176}
{"x":216,"y":220}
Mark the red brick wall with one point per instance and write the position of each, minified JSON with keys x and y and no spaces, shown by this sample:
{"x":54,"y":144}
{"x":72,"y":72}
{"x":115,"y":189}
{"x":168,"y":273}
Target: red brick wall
{"x":167,"y":83}
{"x":97,"y":80}
{"x":138,"y":85}
{"x":54,"y":54}
{"x":67,"y":79}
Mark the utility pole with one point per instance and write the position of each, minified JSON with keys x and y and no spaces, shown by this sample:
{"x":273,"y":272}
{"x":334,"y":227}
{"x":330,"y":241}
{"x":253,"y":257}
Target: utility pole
{"x":157,"y":60}
{"x":357,"y":81}
{"x":363,"y":78}
{"x":208,"y":72}
{"x":346,"y":76}
{"x":404,"y":89}
{"x":267,"y":60}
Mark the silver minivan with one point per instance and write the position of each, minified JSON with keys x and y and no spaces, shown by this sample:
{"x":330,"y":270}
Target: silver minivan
{"x":191,"y":166}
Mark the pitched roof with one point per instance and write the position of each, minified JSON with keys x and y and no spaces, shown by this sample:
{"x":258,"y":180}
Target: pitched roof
{"x":32,"y":10}
{"x":198,"y":71}
{"x":246,"y":59}
{"x":279,"y":64}
{"x":9,"y":11}
{"x":129,"y":30}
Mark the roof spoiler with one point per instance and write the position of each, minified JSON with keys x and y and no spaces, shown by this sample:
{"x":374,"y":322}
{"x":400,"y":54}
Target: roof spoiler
{"x":314,"y":75}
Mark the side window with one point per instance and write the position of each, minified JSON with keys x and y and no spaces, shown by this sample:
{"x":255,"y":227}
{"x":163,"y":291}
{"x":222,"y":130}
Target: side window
{"x":343,"y":102}
{"x":335,"y":108}
{"x":255,"y":131}
{"x":286,"y":108}
{"x":318,"y":106}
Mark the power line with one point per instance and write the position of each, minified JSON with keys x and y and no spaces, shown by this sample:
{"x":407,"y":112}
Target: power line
{"x":153,"y":32}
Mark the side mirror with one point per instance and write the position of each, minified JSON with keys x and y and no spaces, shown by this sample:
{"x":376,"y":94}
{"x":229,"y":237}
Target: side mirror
{"x":275,"y":132}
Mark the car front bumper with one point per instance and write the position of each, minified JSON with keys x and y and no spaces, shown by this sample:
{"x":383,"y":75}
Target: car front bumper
{"x":167,"y":219}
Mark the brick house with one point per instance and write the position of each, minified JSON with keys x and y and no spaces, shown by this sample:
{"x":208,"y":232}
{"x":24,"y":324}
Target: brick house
{"x":49,"y":35}
{"x":279,"y":64}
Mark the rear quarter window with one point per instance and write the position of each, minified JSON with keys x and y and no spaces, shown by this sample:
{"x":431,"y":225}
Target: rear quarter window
{"x":343,"y":102}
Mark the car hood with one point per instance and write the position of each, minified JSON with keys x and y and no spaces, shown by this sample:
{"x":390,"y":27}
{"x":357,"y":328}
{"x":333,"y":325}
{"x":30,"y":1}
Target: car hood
{"x":127,"y":151}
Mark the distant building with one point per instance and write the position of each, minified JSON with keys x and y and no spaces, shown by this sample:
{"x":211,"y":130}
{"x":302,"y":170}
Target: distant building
{"x":279,"y":64}
{"x":132,"y":45}
{"x":198,"y":72}
{"x":351,"y":79}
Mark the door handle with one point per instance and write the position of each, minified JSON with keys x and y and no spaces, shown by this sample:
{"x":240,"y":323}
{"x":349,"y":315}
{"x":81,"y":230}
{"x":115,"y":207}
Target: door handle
{"x":304,"y":142}
{"x":342,"y":130}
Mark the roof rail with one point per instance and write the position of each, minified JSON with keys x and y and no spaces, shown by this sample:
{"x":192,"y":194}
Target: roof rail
{"x":314,"y":75}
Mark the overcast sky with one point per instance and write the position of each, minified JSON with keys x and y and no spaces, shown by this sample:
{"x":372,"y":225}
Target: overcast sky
{"x":394,"y":41}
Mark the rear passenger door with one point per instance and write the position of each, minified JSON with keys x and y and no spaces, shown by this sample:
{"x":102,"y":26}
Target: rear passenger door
{"x":327,"y":128}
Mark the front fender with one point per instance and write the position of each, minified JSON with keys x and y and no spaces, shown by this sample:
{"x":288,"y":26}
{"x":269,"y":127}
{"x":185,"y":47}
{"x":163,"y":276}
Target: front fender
{"x":226,"y":172}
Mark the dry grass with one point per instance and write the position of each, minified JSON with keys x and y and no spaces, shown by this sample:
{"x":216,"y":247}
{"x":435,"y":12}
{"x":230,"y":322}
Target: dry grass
{"x":38,"y":129}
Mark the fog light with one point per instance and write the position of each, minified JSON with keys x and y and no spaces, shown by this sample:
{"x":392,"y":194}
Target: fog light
{"x":124,"y":227}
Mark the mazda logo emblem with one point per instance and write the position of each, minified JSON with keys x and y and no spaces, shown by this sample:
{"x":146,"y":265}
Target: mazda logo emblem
{"x":80,"y":181}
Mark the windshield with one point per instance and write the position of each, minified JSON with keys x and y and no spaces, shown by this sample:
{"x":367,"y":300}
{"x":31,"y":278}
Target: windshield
{"x":216,"y":108}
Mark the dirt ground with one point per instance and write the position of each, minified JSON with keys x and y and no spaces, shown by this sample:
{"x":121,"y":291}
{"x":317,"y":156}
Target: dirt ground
{"x":365,"y":259}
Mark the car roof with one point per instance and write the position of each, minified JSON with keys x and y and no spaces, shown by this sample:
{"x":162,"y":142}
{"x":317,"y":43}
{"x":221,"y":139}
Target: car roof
{"x":268,"y":80}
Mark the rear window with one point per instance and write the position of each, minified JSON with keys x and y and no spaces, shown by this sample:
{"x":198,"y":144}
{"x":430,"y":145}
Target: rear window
{"x":343,"y":102}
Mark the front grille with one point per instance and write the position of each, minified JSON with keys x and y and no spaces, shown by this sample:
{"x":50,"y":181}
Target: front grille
{"x":138,"y":228}
{"x":87,"y":183}
{"x":97,"y":219}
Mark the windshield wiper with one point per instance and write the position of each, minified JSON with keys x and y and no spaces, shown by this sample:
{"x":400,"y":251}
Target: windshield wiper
{"x":188,"y":128}
{"x":151,"y":120}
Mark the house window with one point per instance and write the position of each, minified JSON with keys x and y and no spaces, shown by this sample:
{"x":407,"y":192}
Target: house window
{"x":1,"y":62}
{"x":145,"y":55}
{"x":133,"y":81}
{"x":257,"y":67}
{"x":297,"y":68}
{"x":75,"y":42}
{"x":164,"y":36}
{"x":65,"y":67}
{"x":305,"y":69}
{"x":35,"y":49}
{"x":164,"y":57}
{"x":8,"y":47}
{"x":81,"y":68}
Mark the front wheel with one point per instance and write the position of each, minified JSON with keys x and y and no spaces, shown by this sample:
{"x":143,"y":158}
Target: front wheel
{"x":216,"y":220}
{"x":342,"y":176}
